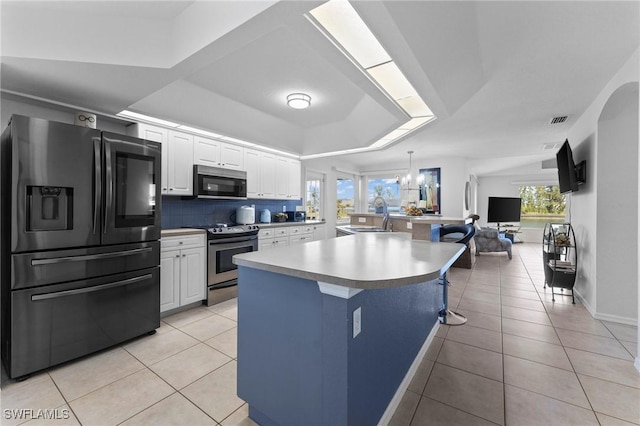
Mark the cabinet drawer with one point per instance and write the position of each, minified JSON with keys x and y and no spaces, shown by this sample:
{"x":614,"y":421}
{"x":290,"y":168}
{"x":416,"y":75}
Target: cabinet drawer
{"x":279,"y":232}
{"x":280,"y":241}
{"x":302,"y":238}
{"x":265,"y":233}
{"x":295,"y":230}
{"x":307,"y":229}
{"x":180,"y":242}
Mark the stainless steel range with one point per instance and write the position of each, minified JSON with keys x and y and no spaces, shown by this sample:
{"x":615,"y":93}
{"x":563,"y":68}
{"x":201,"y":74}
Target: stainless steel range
{"x":223,"y":243}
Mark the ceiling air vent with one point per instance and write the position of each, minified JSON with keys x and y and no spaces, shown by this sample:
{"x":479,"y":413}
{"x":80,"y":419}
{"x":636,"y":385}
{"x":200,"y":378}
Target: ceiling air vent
{"x":558,"y":120}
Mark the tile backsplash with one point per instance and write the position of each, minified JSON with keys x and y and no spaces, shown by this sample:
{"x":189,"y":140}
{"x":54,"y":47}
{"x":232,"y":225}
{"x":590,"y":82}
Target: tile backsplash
{"x":179,"y":213}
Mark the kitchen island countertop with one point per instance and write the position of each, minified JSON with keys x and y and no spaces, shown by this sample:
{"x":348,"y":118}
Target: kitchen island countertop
{"x":361,"y":261}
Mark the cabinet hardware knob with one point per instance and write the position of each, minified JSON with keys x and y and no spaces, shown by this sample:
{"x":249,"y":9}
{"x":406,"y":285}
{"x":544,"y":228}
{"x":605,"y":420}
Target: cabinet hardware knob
{"x":177,"y":255}
{"x":184,"y":255}
{"x":180,"y":242}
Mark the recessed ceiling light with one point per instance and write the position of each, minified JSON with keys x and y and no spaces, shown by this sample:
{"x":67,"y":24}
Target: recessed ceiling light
{"x":299,"y":100}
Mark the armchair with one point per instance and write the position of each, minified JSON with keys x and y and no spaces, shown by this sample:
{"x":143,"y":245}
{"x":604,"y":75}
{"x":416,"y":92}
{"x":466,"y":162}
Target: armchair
{"x":489,"y":240}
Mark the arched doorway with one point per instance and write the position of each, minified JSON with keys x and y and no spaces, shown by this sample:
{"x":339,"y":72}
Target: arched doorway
{"x":617,"y":237}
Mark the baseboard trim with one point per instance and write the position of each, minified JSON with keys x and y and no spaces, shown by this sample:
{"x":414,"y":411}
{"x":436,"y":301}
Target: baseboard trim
{"x":616,"y":318}
{"x":404,"y":385}
{"x":605,"y":317}
{"x":584,"y":302}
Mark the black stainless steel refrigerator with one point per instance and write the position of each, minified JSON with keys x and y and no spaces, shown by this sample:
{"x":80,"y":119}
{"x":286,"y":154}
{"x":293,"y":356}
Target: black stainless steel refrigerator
{"x":79,"y":241}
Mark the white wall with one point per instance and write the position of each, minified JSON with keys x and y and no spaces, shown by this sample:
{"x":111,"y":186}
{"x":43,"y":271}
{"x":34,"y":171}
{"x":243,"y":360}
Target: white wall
{"x":584,"y":140}
{"x":493,"y":186}
{"x":11,"y":104}
{"x":617,"y":214}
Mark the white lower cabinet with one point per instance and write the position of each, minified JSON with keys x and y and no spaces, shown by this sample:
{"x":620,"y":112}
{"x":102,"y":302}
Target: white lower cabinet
{"x":278,"y":236}
{"x":319,"y":231}
{"x":182,"y":271}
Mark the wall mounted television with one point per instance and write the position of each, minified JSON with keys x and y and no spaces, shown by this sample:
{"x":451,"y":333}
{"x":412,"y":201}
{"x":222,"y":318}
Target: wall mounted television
{"x":504,"y":209}
{"x":570,"y":176}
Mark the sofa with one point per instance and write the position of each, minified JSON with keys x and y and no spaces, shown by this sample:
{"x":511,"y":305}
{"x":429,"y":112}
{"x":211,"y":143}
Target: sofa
{"x":490,"y":240}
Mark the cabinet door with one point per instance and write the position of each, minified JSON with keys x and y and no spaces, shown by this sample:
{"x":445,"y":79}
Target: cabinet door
{"x":252,"y":165}
{"x":180,"y":164}
{"x":282,"y":178}
{"x":206,"y":151}
{"x":265,"y":244}
{"x":268,"y":175}
{"x":169,"y":280}
{"x":231,"y":156}
{"x":319,"y":232}
{"x":294,"y":178}
{"x":192,"y":275}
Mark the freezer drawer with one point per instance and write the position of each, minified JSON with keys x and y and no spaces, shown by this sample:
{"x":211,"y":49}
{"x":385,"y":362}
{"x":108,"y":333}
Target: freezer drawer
{"x":51,"y":267}
{"x":57,"y":323}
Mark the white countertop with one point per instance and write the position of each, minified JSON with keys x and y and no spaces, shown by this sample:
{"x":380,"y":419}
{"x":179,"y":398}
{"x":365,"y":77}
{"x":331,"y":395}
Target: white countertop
{"x":279,"y":224}
{"x":363,"y":261}
{"x":181,"y":231}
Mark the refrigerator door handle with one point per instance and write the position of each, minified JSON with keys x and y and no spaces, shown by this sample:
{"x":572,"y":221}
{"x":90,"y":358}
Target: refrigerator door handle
{"x":109,"y":182}
{"x":64,"y":293}
{"x":38,"y":262}
{"x":97,"y":185}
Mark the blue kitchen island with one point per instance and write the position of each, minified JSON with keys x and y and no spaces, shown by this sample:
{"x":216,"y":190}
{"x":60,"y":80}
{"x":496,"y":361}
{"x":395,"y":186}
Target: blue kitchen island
{"x":331,"y":332}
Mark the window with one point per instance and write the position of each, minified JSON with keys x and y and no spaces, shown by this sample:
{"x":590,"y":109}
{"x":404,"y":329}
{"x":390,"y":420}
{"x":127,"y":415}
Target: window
{"x":385,"y":187}
{"x":541,"y":204}
{"x":345,"y":197}
{"x":313,"y":196}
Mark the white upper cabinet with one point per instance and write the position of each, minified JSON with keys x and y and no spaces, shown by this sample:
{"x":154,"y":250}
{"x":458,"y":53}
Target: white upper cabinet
{"x":231,"y":156}
{"x":268,"y":175}
{"x":210,"y":152}
{"x":177,"y":157}
{"x":288,"y":174}
{"x":295,"y":176}
{"x":180,"y":162}
{"x":261,"y":174}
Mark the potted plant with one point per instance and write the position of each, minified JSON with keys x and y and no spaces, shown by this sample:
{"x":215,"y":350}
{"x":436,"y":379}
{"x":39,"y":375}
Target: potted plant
{"x":563,"y":240}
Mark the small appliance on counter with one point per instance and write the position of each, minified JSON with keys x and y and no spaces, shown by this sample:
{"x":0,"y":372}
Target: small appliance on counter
{"x":265,"y":216}
{"x":245,"y":215}
{"x":295,"y":216}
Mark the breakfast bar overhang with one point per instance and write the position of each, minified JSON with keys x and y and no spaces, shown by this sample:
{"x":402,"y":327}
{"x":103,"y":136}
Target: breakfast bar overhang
{"x":331,"y":332}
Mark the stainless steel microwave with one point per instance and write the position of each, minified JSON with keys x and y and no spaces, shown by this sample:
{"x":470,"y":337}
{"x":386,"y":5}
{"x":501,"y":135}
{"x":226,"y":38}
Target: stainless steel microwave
{"x":216,"y":182}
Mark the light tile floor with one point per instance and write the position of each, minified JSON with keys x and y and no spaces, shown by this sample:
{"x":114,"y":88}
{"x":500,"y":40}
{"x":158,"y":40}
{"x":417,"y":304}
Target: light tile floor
{"x":185,"y":374}
{"x":520,"y":359}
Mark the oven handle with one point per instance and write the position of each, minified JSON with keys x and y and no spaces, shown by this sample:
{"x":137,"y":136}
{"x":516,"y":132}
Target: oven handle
{"x":64,"y":293}
{"x":83,"y":258}
{"x":233,"y":240}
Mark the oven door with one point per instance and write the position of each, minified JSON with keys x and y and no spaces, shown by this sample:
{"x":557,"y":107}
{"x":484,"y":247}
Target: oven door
{"x":220,"y":265}
{"x":132,"y":189}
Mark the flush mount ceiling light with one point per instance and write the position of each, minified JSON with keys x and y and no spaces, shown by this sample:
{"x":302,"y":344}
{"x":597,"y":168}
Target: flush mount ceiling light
{"x":299,"y":100}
